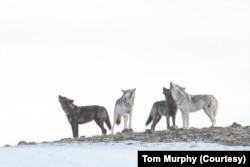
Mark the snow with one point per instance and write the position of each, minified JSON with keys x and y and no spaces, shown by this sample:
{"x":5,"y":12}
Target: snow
{"x":92,"y":154}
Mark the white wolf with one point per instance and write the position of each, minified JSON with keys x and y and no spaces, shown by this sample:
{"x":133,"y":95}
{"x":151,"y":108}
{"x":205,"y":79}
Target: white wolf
{"x":190,"y":103}
{"x":124,"y":107}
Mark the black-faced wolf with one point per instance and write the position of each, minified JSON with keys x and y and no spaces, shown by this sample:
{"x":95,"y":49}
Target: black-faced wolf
{"x":83,"y":114}
{"x":166,"y":108}
{"x":124,"y":107}
{"x":190,"y":103}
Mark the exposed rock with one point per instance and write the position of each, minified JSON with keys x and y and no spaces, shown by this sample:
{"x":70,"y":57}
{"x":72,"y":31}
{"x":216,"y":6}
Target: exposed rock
{"x":127,"y":131}
{"x":231,"y":135}
{"x":174,"y":127}
{"x":149,"y":131}
{"x":7,"y":145}
{"x":26,"y":143}
{"x":236,"y":125}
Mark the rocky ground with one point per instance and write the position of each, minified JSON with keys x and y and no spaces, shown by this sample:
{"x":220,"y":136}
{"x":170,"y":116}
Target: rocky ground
{"x":234,"y":135}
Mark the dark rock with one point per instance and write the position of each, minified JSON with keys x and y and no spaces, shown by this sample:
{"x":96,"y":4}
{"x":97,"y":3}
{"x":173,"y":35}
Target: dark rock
{"x":174,"y":127}
{"x":236,"y":125}
{"x":26,"y":143}
{"x":148,"y":131}
{"x":7,"y":145}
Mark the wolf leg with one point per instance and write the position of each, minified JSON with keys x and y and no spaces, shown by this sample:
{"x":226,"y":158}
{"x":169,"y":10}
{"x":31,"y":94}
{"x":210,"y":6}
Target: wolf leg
{"x":213,"y":122}
{"x":183,"y":119}
{"x":130,"y":120}
{"x":74,"y":127}
{"x":100,"y":124}
{"x":107,"y":121}
{"x":167,"y":121}
{"x":173,"y":119}
{"x":210,"y":115}
{"x":125,"y":121}
{"x":187,"y":119}
{"x":155,"y":121}
{"x":115,"y":118}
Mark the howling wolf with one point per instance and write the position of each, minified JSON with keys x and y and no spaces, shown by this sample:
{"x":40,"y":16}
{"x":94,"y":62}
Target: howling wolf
{"x":83,"y":114}
{"x":124,"y":107}
{"x":166,"y":108}
{"x":190,"y":103}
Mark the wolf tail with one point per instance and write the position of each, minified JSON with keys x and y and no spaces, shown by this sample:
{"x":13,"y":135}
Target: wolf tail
{"x":216,"y":105}
{"x":150,"y":118}
{"x":107,"y":120}
{"x":118,"y":120}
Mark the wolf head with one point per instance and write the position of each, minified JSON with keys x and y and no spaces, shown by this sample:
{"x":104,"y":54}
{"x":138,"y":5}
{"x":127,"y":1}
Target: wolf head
{"x":129,"y":93}
{"x":66,"y":103}
{"x":175,"y":86}
{"x":177,"y":91}
{"x":63,"y":99}
{"x":166,"y":92}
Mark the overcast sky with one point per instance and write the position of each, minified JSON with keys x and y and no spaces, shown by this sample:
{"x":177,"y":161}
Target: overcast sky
{"x":90,"y":50}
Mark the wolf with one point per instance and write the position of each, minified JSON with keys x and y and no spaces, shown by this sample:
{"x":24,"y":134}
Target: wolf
{"x":190,"y":103}
{"x":124,"y":107}
{"x":83,"y":114}
{"x":166,"y":108}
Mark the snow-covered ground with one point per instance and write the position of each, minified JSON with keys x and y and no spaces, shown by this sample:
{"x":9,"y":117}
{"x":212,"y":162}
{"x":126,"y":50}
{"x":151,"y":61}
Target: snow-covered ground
{"x":121,"y":154}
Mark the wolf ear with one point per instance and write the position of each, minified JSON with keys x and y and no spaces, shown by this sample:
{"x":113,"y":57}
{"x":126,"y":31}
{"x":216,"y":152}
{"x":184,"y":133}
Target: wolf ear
{"x":123,"y":91}
{"x":134,"y":89}
{"x":165,"y":90}
{"x":71,"y":101}
{"x":171,"y":84}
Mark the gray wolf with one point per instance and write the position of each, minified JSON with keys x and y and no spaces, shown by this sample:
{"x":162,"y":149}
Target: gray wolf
{"x":190,"y":103}
{"x":166,"y":108}
{"x":123,"y":108}
{"x":83,"y":114}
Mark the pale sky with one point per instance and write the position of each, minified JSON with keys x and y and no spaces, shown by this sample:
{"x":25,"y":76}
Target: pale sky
{"x":88,"y":50}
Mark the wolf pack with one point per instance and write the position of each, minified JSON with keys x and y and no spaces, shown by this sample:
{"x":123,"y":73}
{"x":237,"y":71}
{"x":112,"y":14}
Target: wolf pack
{"x":176,"y":98}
